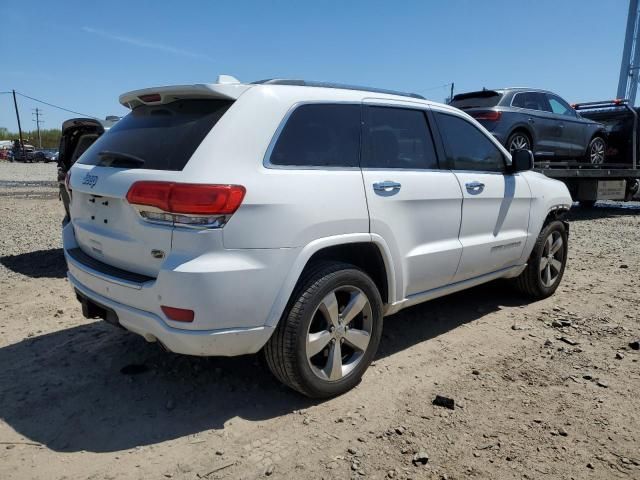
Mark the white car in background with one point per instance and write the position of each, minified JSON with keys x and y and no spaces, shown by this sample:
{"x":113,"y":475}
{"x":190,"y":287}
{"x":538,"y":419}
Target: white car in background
{"x":292,"y":216}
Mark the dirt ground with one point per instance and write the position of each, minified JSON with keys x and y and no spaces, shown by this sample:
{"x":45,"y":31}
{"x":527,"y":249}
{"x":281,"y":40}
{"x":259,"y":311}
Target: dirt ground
{"x":542,"y":390}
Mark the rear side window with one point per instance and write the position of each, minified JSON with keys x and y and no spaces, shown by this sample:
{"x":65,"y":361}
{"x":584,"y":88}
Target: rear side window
{"x":467,"y":147}
{"x":320,"y":135}
{"x":531,"y":101}
{"x":399,"y":138}
{"x":158,"y":137}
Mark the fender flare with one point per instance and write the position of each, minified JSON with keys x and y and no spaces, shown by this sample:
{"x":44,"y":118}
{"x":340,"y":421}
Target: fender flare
{"x":315,"y":246}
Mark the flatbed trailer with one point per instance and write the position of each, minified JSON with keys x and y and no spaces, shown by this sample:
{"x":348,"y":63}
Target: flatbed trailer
{"x":616,"y":179}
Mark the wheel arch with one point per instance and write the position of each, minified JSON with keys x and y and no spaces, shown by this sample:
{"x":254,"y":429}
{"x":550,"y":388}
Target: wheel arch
{"x":369,"y":254}
{"x":559,"y":213}
{"x":524,"y":128}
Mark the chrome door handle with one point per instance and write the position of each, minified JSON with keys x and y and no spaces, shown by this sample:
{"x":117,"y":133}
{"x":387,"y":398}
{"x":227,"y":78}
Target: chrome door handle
{"x":386,"y":187}
{"x":474,"y":188}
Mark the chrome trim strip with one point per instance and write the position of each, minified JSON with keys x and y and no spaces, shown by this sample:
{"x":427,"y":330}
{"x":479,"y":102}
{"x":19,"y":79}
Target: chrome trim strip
{"x":100,"y":275}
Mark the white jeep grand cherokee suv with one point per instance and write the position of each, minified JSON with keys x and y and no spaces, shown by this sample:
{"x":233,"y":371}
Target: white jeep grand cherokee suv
{"x":292,"y":216}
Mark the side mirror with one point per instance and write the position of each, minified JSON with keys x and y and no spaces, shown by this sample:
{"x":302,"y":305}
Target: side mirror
{"x":521,"y":160}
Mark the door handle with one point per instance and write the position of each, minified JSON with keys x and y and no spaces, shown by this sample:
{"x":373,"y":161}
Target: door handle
{"x":386,"y":187}
{"x":474,"y":188}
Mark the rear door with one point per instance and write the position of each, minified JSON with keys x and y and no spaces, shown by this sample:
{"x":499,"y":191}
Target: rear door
{"x":152,"y":143}
{"x":574,"y":130}
{"x":413,"y":205}
{"x":495,"y":206}
{"x":548,"y":141}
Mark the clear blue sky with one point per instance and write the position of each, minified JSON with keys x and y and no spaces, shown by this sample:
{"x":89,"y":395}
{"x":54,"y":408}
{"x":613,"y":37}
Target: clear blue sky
{"x":82,"y":55}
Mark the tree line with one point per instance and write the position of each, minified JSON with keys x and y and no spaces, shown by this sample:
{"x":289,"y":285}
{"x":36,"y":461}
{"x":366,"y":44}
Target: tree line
{"x":50,"y":137}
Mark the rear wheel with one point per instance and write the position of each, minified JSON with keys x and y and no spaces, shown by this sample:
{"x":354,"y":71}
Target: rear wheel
{"x":596,"y":151}
{"x":518,"y":141}
{"x":328,"y":336}
{"x":546,"y":263}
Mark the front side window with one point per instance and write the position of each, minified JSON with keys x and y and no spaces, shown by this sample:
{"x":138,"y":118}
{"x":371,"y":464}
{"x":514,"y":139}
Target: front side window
{"x":320,"y":135}
{"x":559,"y":106}
{"x":399,"y":138}
{"x":467,"y":148}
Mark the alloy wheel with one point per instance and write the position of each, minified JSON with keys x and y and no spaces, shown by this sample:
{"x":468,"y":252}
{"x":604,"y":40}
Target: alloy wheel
{"x":519,"y":142}
{"x":339,"y":333}
{"x":596,"y":152}
{"x":552,"y":259}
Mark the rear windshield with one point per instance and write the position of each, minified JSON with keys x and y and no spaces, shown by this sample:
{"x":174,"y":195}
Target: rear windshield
{"x":158,"y":137}
{"x":484,"y":99}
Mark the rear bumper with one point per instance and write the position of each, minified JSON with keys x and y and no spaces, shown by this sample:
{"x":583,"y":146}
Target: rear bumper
{"x":232,"y":293}
{"x":225,"y":342}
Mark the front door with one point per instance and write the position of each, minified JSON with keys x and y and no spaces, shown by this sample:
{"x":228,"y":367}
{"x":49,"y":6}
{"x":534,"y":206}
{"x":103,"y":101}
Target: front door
{"x":413,"y":205}
{"x":495,"y":206}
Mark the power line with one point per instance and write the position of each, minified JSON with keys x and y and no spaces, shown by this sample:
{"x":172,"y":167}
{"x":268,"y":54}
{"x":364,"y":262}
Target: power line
{"x":435,"y":88}
{"x":55,"y":106}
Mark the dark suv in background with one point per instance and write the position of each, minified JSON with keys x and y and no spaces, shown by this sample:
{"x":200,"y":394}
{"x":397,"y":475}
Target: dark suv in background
{"x":537,"y":120}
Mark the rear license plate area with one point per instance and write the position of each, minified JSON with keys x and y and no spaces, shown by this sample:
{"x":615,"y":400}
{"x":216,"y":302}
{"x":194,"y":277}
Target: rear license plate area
{"x":98,"y":209}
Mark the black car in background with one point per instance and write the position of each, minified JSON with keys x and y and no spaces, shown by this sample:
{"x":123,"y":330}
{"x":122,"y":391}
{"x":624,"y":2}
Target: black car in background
{"x":537,"y":120}
{"x":45,"y":156}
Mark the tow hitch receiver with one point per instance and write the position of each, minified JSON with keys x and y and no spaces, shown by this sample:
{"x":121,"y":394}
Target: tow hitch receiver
{"x":91,"y":309}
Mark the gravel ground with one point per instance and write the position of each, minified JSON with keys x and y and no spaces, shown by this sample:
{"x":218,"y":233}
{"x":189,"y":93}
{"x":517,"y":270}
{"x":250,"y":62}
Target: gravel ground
{"x":542,"y":390}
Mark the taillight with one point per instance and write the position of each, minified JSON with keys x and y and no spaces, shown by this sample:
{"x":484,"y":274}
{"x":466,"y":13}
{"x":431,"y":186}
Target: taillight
{"x":491,"y":115}
{"x":194,"y":204}
{"x":178,"y":314}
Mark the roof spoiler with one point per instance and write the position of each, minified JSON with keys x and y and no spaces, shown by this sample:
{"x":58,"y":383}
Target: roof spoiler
{"x":227,"y":88}
{"x":478,"y":94}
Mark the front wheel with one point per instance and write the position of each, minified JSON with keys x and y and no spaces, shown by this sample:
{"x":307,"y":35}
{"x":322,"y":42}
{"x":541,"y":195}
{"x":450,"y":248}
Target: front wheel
{"x":330,"y":332}
{"x":546,"y":263}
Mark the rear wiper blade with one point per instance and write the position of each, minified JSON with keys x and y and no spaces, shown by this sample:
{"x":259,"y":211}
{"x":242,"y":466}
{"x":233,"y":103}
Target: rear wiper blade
{"x":119,"y":157}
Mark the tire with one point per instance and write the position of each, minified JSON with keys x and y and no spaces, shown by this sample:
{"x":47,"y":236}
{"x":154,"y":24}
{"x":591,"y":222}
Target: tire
{"x":306,"y":325}
{"x":596,"y":151}
{"x":519,"y":140}
{"x":533,"y":281}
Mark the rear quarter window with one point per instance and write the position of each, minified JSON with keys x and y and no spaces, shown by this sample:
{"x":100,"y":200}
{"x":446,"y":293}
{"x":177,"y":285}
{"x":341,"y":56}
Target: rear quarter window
{"x":163,"y":136}
{"x":319,"y":135}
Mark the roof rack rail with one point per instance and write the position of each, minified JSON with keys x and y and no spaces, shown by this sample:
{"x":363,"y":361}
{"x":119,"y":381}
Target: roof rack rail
{"x":307,"y":83}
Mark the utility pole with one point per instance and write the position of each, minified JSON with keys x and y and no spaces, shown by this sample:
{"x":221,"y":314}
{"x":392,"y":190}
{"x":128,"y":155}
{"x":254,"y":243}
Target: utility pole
{"x":451,"y":97}
{"x":630,"y":65}
{"x":15,"y":104}
{"x":38,"y":113}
